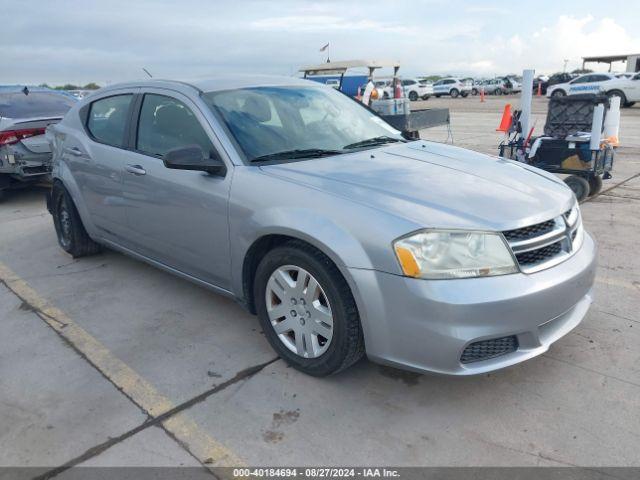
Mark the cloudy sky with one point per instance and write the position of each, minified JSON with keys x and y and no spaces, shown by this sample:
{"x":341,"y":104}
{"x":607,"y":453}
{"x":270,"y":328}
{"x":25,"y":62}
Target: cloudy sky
{"x":111,"y":40}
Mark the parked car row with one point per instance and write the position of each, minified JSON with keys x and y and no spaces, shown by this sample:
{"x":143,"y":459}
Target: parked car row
{"x":497,"y":86}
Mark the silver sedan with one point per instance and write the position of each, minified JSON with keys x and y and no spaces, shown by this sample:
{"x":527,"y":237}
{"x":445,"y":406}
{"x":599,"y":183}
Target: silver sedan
{"x":344,"y":237}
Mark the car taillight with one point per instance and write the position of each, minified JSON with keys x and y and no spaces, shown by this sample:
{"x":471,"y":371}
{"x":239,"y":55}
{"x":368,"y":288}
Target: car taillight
{"x":14,"y":136}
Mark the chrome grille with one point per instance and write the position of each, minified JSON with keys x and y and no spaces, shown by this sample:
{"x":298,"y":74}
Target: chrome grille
{"x":539,"y":255}
{"x":529,"y":232}
{"x":545,"y":244}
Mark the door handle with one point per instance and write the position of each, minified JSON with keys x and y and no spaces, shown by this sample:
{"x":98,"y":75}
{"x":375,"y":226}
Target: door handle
{"x":135,"y":169}
{"x":75,"y":151}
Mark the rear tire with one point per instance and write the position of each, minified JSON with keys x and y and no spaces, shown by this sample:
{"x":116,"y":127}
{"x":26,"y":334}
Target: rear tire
{"x":595,"y":185}
{"x":474,"y":91}
{"x":629,"y":104}
{"x":72,"y":236}
{"x":413,"y":96}
{"x":558,"y":93}
{"x":618,"y":93}
{"x":454,"y":93}
{"x":498,"y":91}
{"x":579,"y":185}
{"x":346,"y":343}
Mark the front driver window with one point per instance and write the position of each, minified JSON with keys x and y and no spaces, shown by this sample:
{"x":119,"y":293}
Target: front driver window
{"x":166,"y":123}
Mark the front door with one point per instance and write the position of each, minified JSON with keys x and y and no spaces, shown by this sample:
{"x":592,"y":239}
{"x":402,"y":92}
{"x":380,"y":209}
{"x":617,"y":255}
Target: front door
{"x":176,"y":217}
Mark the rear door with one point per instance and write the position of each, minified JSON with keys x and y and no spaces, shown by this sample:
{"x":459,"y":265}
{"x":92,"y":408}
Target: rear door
{"x":95,"y":158}
{"x":176,"y":217}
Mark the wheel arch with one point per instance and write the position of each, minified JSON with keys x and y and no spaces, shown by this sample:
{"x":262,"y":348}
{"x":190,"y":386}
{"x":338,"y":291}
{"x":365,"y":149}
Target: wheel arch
{"x":267,"y":242}
{"x":620,"y":93}
{"x":64,"y":177}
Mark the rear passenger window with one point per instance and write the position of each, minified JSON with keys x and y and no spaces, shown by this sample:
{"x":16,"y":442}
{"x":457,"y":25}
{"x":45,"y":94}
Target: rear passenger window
{"x":166,"y":123}
{"x":108,"y":119}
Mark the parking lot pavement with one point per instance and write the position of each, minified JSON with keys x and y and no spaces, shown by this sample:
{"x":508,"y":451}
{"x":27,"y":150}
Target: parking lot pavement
{"x":108,"y":361}
{"x":53,"y":405}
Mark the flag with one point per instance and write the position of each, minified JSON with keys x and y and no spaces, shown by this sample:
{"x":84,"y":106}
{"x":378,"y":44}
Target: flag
{"x":324,"y":48}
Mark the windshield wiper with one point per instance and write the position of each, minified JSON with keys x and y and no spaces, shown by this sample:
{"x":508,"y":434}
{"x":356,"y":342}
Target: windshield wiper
{"x":297,"y":153}
{"x":372,"y":142}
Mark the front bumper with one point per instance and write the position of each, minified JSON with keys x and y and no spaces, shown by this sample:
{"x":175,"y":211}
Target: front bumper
{"x":425,"y":325}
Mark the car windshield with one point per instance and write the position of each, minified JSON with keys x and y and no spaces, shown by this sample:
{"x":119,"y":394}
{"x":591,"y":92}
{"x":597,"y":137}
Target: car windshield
{"x":36,"y":104}
{"x":281,"y":122}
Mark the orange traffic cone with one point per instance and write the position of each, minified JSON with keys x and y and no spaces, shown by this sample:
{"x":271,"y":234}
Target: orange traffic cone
{"x":397,"y":91}
{"x":482,"y":95}
{"x":507,"y":118}
{"x":539,"y":89}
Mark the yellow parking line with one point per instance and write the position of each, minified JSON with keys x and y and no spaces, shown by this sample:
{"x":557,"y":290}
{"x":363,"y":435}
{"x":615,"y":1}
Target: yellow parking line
{"x":205,"y":448}
{"x":618,"y":283}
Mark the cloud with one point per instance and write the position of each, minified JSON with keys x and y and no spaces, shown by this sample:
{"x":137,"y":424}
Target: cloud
{"x":56,"y":42}
{"x":545,"y":49}
{"x":328,"y":23}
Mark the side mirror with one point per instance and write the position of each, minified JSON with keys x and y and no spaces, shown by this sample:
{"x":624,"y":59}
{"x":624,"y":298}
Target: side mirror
{"x":192,"y":157}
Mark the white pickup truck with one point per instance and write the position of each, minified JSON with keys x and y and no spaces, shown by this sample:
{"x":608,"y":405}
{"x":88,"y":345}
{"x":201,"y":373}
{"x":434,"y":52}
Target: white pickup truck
{"x":628,"y":89}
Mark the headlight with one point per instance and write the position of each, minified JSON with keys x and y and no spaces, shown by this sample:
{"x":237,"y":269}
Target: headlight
{"x":436,"y":254}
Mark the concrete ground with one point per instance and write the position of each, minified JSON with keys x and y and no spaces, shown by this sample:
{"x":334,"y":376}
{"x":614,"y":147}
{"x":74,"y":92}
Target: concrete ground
{"x":108,"y":361}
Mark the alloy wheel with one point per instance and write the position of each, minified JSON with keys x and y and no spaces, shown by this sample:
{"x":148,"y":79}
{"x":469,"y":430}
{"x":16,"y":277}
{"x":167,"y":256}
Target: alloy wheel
{"x":299,"y":311}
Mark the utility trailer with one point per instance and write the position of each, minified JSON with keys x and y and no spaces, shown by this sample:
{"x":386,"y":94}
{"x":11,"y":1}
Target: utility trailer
{"x":408,"y":122}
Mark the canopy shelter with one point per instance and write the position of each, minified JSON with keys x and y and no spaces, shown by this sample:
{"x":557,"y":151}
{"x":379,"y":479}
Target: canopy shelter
{"x":608,"y":59}
{"x":339,"y":68}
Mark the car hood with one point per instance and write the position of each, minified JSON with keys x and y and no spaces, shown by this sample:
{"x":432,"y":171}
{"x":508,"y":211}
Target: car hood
{"x":436,"y":185}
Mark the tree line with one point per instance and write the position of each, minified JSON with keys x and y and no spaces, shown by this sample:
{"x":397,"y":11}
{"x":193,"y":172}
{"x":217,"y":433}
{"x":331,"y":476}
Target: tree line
{"x":70,"y":86}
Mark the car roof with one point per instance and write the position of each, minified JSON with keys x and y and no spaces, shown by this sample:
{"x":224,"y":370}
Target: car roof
{"x":610,"y":75}
{"x":216,"y":83}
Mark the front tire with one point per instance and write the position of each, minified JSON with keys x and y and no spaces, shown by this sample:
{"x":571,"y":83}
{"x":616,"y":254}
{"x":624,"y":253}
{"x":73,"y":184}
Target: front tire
{"x":579,"y":185}
{"x":72,"y":236}
{"x":307,"y":311}
{"x":558,"y":93}
{"x":413,"y":96}
{"x":454,"y":93}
